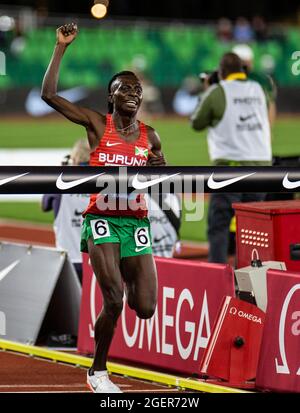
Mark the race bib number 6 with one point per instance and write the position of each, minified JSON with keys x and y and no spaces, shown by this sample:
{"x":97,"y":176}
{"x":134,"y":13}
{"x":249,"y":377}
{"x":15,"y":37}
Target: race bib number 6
{"x":142,"y":237}
{"x":100,"y":228}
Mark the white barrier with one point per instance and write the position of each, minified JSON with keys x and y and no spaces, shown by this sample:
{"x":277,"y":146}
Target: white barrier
{"x":36,"y":282}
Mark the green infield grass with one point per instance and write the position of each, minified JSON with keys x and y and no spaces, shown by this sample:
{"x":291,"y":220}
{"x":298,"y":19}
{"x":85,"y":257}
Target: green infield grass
{"x":181,"y":145}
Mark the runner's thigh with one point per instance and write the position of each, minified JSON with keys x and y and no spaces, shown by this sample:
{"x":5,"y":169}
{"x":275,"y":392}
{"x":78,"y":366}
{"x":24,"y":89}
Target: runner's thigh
{"x":139,"y":273}
{"x":105,"y":260}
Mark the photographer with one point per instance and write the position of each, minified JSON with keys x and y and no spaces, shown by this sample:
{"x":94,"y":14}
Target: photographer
{"x":236,"y":112}
{"x":246,"y":55}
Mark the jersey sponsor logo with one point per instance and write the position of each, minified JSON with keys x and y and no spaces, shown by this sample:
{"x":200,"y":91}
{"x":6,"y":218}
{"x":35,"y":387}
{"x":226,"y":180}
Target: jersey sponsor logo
{"x":247,"y":101}
{"x":76,"y":223}
{"x":78,"y":213}
{"x":245,"y":118}
{"x":60,"y":184}
{"x":8,"y":269}
{"x":160,"y":249}
{"x":113,"y":144}
{"x":117,"y":159}
{"x":288,"y":184}
{"x":212,"y":184}
{"x":143,"y":185}
{"x":12,"y":178}
{"x":249,"y":127}
{"x":156,"y":240}
{"x":141,"y":152}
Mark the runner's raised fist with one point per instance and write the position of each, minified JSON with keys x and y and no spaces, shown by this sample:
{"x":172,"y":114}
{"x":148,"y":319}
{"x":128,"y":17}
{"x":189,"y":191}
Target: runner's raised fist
{"x":66,"y":33}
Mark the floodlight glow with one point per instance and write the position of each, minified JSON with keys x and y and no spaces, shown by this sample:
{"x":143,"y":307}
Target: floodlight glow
{"x":99,"y":9}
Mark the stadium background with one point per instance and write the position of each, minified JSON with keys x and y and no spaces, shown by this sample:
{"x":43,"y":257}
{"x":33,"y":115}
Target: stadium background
{"x":170,"y":43}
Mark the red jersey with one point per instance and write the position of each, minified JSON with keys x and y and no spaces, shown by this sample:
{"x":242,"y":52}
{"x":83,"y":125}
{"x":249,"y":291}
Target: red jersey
{"x":114,"y":151}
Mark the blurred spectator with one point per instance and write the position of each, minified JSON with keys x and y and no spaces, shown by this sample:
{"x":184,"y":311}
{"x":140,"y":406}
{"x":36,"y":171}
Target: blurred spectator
{"x":245,"y":53}
{"x":18,"y":43}
{"x":68,"y":209}
{"x":224,"y":30}
{"x":243,"y":31}
{"x":260,"y":29}
{"x":7,"y":26}
{"x":152,"y":102}
{"x":186,"y":98}
{"x":2,"y":41}
{"x":12,"y":39}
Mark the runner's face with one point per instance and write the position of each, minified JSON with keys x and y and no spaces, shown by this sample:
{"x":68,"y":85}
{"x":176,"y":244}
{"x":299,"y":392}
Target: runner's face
{"x":127,"y":95}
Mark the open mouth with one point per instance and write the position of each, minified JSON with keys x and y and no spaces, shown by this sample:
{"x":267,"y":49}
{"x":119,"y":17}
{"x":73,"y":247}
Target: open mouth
{"x":132,"y":104}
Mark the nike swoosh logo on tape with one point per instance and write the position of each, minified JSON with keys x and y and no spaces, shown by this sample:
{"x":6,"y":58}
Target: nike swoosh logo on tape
{"x":113,"y":144}
{"x":212,"y":184}
{"x":141,"y":249}
{"x":143,"y":185}
{"x":8,"y":269}
{"x":288,"y":184}
{"x":6,"y":180}
{"x":60,"y":184}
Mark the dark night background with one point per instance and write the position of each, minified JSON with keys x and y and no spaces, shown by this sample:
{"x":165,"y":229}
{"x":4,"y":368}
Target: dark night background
{"x":175,"y":9}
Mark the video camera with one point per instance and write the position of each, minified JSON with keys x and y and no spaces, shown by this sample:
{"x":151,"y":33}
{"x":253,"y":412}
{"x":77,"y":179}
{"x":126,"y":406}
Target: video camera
{"x":210,"y":76}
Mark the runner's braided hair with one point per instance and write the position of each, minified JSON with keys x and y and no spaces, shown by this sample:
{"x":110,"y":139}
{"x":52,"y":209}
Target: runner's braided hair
{"x":119,"y":74}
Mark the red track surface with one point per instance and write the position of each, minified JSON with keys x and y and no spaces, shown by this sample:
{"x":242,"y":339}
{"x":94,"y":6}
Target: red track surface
{"x":15,"y":231}
{"x":21,"y":373}
{"x":24,"y":374}
{"x":23,"y":232}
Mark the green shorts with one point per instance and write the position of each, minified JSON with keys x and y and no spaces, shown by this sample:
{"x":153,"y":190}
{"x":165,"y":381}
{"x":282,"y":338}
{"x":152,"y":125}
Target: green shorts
{"x":133,"y":234}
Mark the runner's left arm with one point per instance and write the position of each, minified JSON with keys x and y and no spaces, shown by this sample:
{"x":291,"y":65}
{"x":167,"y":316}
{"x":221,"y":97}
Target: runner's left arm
{"x":156,"y":157}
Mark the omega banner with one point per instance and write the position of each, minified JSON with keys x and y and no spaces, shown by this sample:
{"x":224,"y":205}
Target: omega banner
{"x":279,"y":362}
{"x":189,"y":297}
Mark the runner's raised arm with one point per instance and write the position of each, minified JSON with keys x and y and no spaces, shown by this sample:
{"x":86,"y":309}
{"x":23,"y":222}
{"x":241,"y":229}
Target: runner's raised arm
{"x":93,"y":121}
{"x":65,"y":35}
